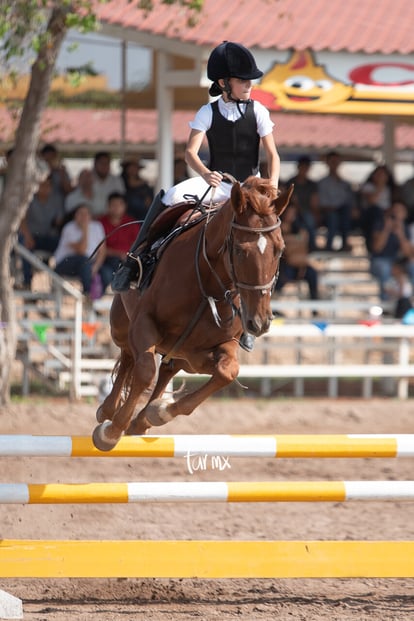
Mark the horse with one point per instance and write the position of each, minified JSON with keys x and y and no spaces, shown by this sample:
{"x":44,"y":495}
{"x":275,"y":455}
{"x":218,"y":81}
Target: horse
{"x":212,"y":283}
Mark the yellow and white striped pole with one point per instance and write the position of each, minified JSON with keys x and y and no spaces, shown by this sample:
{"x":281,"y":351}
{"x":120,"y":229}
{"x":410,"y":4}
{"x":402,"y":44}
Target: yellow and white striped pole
{"x":303,"y":446}
{"x":267,"y":491}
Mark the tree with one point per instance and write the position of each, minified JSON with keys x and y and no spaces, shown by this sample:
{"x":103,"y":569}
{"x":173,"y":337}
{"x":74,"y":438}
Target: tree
{"x":33,"y":31}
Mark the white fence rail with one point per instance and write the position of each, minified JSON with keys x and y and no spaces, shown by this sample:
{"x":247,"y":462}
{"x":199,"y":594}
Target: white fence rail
{"x":391,"y":341}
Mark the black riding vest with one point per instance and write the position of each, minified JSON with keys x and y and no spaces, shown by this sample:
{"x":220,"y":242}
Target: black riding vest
{"x":234,"y":145}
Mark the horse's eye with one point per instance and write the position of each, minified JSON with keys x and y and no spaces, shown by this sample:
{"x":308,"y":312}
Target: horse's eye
{"x":238,"y":251}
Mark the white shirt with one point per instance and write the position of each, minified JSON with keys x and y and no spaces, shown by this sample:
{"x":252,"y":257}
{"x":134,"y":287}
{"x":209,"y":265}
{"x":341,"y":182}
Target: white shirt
{"x":75,"y":198}
{"x":202,"y":122}
{"x":383,"y":199}
{"x":204,"y":117}
{"x":102,"y":188}
{"x":71,"y":234}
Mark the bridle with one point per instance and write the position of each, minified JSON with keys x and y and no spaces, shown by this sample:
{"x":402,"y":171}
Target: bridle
{"x":228,"y":294}
{"x":257,"y":230}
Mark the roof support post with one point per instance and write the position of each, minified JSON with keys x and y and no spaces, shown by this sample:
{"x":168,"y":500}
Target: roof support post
{"x":388,"y":149}
{"x":124,"y":46}
{"x":165,"y":104}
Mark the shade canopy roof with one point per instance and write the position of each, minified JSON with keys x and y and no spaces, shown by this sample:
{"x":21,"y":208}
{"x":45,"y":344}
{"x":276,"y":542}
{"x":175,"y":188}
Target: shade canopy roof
{"x":370,"y":26}
{"x":88,"y":130}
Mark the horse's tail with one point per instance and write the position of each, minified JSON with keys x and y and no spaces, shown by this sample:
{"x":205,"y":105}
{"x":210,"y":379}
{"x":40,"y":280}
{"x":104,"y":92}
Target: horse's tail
{"x":124,"y":365}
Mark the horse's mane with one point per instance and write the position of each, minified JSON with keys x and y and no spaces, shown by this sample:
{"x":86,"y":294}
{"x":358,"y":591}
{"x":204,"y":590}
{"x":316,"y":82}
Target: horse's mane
{"x":260,"y":194}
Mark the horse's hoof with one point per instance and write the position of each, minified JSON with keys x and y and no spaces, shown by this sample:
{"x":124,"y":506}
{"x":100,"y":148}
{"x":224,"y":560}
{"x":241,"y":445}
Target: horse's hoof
{"x":100,"y":416}
{"x":137,"y":429}
{"x":101,"y":442}
{"x":157,"y":413}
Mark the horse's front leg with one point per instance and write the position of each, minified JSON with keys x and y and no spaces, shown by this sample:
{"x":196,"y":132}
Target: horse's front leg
{"x":223,"y":372}
{"x":166,"y":372}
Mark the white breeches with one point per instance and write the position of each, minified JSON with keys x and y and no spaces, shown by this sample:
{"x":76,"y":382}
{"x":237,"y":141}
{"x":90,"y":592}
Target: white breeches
{"x":196,"y":186}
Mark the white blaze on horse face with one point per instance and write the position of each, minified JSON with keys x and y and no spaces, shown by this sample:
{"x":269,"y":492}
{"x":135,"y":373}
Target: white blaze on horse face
{"x":262,"y":243}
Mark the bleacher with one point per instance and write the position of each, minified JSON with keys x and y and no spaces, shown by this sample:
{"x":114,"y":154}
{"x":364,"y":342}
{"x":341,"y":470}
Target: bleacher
{"x":340,"y":337}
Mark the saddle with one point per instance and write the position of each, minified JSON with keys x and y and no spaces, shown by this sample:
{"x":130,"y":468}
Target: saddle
{"x":170,"y":223}
{"x":175,"y":216}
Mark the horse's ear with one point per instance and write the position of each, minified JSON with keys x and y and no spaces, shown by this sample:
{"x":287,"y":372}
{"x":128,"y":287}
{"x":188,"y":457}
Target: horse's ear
{"x":238,"y":200}
{"x":282,"y":201}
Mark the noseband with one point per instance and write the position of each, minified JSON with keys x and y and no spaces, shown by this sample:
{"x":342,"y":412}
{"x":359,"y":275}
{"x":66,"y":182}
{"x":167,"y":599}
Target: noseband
{"x":259,"y":231}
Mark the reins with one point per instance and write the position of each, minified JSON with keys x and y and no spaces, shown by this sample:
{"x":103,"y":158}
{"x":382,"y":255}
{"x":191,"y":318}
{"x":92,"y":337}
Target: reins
{"x":202,"y":306}
{"x":198,"y":206}
{"x":228,"y":294}
{"x":118,"y":228}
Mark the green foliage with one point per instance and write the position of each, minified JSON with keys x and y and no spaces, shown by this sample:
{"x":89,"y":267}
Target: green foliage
{"x":193,"y":5}
{"x":76,"y":75}
{"x":86,"y":99}
{"x":24,"y":24}
{"x":85,"y":69}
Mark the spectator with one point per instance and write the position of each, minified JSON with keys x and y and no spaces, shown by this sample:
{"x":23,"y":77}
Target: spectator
{"x":61,"y":183}
{"x":294,"y":264}
{"x":307,"y":198}
{"x":138,"y":193}
{"x":83,"y":192}
{"x":400,"y":288}
{"x":406,"y":194}
{"x":104,"y":183}
{"x":379,"y":189}
{"x":377,"y":193}
{"x":79,"y":239}
{"x":336,"y":202}
{"x":390,"y":242}
{"x":39,"y":229}
{"x":118,"y":242}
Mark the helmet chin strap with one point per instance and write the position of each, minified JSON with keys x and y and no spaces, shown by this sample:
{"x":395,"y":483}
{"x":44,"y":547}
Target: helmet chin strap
{"x":227,"y":90}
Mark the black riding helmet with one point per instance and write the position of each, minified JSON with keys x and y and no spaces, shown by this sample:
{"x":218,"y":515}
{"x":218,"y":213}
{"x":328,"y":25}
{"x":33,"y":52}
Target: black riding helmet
{"x":230,"y":60}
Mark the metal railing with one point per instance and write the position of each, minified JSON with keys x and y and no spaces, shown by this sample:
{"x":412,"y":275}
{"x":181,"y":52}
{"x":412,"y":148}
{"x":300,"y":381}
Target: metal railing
{"x":62,"y":286}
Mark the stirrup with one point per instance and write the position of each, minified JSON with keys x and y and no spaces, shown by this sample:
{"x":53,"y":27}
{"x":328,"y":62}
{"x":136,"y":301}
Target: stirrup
{"x":140,"y":270}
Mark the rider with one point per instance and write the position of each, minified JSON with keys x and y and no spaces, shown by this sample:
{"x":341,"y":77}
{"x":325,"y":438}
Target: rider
{"x":234,"y":126}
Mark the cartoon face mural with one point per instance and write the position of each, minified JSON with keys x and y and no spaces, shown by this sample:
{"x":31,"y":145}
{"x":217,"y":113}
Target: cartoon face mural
{"x":300,"y":84}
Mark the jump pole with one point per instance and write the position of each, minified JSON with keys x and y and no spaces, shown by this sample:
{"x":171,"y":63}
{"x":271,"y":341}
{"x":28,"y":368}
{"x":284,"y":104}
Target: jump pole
{"x":209,"y":559}
{"x":311,"y":446}
{"x":267,"y":491}
{"x":206,"y":559}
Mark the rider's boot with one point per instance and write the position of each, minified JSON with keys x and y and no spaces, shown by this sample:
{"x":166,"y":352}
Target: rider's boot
{"x":246,"y":341}
{"x":128,"y":271}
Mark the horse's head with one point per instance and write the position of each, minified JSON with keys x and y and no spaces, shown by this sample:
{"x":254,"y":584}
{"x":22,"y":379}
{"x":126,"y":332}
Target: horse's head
{"x":256,"y":245}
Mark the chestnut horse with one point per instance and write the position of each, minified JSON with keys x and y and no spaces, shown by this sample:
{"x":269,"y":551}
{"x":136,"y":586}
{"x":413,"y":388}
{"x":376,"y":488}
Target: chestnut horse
{"x":212,"y":282}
